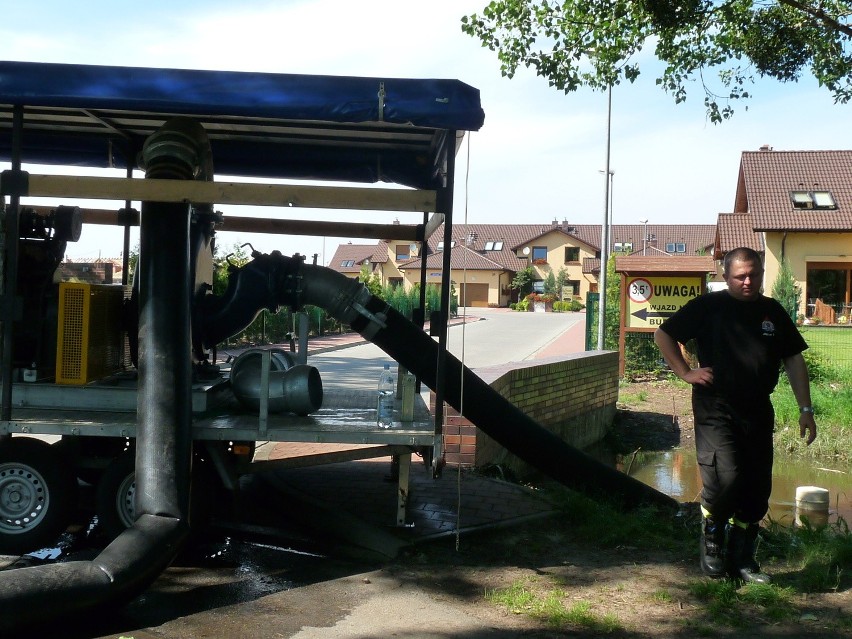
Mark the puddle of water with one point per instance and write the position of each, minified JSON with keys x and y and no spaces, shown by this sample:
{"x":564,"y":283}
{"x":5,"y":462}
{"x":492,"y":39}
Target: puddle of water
{"x":675,"y":472}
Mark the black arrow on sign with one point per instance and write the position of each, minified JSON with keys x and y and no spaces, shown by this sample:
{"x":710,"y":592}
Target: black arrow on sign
{"x":643,"y":314}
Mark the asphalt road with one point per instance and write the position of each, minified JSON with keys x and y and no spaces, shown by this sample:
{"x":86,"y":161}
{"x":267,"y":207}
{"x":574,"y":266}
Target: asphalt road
{"x":496,"y":337}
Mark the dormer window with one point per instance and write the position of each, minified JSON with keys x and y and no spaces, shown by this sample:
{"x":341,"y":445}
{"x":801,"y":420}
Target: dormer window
{"x":819,"y":200}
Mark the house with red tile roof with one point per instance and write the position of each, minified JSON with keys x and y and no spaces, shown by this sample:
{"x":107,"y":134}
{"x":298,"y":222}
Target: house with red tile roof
{"x":796,"y":206}
{"x":99,"y":271}
{"x":484,"y":258}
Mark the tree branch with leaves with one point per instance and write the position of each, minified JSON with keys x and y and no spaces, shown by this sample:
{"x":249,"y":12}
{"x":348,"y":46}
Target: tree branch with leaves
{"x":724,"y":46}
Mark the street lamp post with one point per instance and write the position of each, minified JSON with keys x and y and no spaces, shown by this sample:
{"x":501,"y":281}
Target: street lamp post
{"x":605,"y":228}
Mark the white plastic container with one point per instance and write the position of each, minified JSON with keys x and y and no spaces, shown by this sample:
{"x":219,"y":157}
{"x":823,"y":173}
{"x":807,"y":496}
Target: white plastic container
{"x":812,"y":504}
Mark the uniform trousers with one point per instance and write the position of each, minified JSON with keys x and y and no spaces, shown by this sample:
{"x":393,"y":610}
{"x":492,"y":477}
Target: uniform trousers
{"x":733,"y":442}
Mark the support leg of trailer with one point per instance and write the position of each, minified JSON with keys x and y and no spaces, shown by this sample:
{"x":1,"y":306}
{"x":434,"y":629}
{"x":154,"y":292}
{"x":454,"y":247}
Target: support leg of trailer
{"x":403,"y":488}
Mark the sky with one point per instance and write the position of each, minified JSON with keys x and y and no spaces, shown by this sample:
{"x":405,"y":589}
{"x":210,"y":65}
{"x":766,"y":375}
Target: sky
{"x":540,"y":154}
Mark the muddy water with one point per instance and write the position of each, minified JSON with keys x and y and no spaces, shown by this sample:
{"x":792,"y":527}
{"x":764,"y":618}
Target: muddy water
{"x":675,"y":472}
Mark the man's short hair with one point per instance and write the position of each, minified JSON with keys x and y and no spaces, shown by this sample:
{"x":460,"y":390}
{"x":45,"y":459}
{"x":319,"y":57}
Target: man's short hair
{"x":741,"y":254}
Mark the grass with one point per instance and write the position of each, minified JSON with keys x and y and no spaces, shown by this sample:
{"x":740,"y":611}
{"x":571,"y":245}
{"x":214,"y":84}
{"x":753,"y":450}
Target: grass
{"x":829,"y":343}
{"x":822,"y":555}
{"x":805,"y":559}
{"x":727,"y":603}
{"x":633,"y":398}
{"x":548,"y":605}
{"x":607,"y":526}
{"x":832,"y":401}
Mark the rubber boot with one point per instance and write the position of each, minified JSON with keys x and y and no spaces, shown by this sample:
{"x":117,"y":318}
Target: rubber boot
{"x":712,"y":548}
{"x":740,"y":554}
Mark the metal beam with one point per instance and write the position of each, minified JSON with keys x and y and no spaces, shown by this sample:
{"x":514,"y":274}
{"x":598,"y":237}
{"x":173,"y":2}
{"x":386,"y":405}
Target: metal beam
{"x":159,"y":190}
{"x":274,"y":226}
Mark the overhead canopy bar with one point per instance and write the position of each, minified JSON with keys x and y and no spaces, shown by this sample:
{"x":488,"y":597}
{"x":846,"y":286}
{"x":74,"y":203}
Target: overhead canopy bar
{"x":265,"y":125}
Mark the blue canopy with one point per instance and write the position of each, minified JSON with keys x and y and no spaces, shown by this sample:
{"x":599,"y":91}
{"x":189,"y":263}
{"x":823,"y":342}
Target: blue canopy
{"x":260,"y":124}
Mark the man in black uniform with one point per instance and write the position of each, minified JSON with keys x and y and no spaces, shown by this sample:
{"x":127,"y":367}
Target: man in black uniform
{"x":742,"y":339}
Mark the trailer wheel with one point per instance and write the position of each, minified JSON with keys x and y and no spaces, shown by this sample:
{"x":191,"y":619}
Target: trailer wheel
{"x":116,"y":495}
{"x":38,"y":494}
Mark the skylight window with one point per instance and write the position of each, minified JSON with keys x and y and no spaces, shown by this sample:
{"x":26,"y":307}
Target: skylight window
{"x":494,"y":246}
{"x":820,"y":200}
{"x":441,"y":245}
{"x":347,"y":263}
{"x":824,"y":200}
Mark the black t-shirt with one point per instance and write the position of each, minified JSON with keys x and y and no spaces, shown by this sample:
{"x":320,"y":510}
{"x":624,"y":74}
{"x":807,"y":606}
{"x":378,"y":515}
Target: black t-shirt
{"x":744,"y":342}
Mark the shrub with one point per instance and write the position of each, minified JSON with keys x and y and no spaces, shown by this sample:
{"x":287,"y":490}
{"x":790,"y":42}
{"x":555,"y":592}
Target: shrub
{"x":785,"y":290}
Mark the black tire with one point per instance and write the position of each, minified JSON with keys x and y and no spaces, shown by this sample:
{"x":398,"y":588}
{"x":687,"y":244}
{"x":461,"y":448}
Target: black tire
{"x":117,"y":491}
{"x":89,"y":455}
{"x":38,"y":495}
{"x":116,"y":494}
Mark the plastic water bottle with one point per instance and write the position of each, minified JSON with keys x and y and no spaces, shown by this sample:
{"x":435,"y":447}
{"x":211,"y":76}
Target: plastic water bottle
{"x":384,"y":401}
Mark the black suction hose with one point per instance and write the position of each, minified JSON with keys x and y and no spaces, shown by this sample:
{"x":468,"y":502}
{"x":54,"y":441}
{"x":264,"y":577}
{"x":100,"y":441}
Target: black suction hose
{"x":350,"y":302}
{"x":125,"y":568}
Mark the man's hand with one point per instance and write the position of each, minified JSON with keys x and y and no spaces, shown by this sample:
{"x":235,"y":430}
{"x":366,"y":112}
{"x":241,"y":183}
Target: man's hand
{"x":700,"y":376}
{"x":807,"y":423}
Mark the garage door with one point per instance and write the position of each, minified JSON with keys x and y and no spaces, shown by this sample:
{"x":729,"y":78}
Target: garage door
{"x":473,"y":295}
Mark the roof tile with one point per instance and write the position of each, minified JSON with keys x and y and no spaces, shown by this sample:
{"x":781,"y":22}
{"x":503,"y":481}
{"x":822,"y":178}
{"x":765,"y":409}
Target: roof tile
{"x":767,"y":177}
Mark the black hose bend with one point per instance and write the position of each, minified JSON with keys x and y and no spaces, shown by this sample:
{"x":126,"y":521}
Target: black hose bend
{"x":129,"y":565}
{"x":349,"y":301}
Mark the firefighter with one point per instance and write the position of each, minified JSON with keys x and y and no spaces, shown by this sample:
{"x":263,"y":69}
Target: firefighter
{"x":742,"y":339}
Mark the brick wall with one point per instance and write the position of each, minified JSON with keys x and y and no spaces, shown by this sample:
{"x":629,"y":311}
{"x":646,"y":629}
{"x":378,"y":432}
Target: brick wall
{"x":573,"y":396}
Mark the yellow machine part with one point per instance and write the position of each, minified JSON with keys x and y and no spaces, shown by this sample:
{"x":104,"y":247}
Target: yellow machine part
{"x":89,"y":343}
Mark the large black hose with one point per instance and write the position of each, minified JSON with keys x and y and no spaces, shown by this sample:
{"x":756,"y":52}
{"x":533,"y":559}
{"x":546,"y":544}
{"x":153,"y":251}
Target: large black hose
{"x":136,"y":558}
{"x":350,"y":302}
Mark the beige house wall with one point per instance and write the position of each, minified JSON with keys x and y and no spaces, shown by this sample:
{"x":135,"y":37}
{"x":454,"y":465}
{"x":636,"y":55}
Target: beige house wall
{"x":498,"y":282}
{"x":556,"y":242}
{"x":800,"y":249}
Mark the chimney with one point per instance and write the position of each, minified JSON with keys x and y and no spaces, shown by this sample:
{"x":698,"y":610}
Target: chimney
{"x":765,"y":147}
{"x":555,"y":222}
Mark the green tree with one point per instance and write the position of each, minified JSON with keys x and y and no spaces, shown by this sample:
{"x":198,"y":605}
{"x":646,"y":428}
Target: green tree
{"x":786,"y":291}
{"x":371,"y":280}
{"x":561,"y":278}
{"x":612,"y":320}
{"x":550,"y":283}
{"x":223,"y":265}
{"x":600,"y":43}
{"x":523,"y":282}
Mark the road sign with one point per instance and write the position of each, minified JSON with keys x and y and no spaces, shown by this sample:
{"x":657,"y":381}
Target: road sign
{"x":650,"y":300}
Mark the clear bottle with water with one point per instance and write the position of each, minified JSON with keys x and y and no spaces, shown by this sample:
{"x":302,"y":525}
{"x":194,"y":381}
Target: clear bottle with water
{"x":384,"y":400}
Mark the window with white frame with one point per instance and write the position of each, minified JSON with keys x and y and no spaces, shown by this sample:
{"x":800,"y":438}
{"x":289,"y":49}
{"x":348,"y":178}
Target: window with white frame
{"x":818,"y":200}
